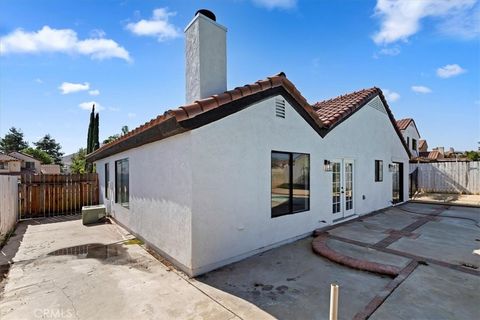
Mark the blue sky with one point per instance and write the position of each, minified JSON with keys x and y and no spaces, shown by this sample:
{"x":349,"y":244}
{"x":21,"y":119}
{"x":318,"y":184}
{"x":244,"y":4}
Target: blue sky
{"x":128,"y":57}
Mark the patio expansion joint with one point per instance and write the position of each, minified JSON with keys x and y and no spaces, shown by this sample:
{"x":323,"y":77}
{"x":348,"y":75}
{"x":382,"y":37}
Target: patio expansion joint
{"x":408,"y":255}
{"x":395,"y":235}
{"x":380,"y":298}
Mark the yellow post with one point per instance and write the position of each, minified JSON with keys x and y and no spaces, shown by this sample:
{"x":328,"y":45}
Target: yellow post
{"x":333,"y":301}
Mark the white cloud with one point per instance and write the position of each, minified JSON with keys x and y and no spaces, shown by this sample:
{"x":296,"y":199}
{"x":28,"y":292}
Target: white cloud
{"x":421,"y":89}
{"x":60,"y":40}
{"x":131,"y":115}
{"x":391,"y":96}
{"x":95,"y":92}
{"x":97,"y":33}
{"x":158,"y":26}
{"x":390,"y":51}
{"x":88,"y":106}
{"x":450,"y":70}
{"x":39,"y":81}
{"x":68,"y":87}
{"x":401,"y":19}
{"x":276,"y":4}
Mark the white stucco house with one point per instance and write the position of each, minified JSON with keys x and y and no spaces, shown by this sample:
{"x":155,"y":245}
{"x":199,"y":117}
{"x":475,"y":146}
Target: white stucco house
{"x":410,"y":133}
{"x":233,"y":173}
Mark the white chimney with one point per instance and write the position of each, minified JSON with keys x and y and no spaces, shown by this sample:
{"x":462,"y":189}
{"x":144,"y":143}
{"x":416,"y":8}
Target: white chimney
{"x":206,"y":57}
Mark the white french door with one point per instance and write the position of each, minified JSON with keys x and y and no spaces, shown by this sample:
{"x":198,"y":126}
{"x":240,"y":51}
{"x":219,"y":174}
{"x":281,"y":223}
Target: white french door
{"x":342,"y":188}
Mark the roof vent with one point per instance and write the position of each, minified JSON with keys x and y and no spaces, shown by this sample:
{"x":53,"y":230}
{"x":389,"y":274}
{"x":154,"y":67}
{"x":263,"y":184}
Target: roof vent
{"x":280,"y":108}
{"x":207,"y":13}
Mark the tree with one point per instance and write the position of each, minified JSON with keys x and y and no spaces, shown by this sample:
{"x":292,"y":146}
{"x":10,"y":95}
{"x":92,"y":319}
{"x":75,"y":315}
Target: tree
{"x":90,"y":131}
{"x":78,"y":161}
{"x":116,"y":136}
{"x":473,"y":155}
{"x":38,"y":154}
{"x":51,"y":147}
{"x":96,"y":143}
{"x":111,"y":138}
{"x":13,"y":141}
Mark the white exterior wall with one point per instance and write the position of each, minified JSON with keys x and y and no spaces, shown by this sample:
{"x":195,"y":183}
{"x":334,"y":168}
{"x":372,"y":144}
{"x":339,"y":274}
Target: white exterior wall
{"x":160,"y":195}
{"x":412,"y":133}
{"x":231,"y":162}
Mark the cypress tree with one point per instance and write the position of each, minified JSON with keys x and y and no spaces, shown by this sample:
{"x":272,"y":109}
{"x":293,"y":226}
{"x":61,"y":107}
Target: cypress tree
{"x":90,"y":131}
{"x":96,"y":142}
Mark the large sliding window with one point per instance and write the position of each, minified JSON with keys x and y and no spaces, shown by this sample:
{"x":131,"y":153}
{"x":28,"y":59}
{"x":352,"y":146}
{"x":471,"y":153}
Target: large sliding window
{"x":122,"y":182}
{"x":290,"y":183}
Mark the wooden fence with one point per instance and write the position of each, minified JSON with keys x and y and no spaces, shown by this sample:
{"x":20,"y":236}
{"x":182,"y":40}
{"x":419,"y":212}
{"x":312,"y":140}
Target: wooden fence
{"x":56,"y":194}
{"x":8,"y":204}
{"x":448,"y":177}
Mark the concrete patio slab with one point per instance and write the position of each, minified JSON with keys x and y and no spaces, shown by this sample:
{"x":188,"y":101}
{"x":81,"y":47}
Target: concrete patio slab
{"x":433,"y":292}
{"x":448,"y":240}
{"x":70,"y":271}
{"x":369,"y":254}
{"x":291,"y":282}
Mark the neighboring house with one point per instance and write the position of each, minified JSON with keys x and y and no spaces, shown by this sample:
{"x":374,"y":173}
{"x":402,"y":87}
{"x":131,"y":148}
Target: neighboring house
{"x":235,"y":173}
{"x":422,"y":145}
{"x":29,"y":163}
{"x":50,"y":169}
{"x":9,"y":164}
{"x":410,"y":133}
{"x":430,"y":156}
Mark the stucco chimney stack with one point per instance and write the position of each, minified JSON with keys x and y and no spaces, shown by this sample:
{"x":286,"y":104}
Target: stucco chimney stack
{"x":205,"y":57}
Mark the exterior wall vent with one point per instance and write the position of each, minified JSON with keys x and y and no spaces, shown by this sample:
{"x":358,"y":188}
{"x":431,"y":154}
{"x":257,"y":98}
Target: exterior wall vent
{"x":280,"y":108}
{"x":376,"y":103}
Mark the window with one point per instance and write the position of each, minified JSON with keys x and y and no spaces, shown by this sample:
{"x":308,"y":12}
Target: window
{"x":408,"y":142}
{"x":121,"y":182}
{"x":2,"y":165}
{"x":30,"y":165}
{"x":414,"y":144}
{"x":107,"y":178}
{"x":290,"y":183}
{"x":378,"y":170}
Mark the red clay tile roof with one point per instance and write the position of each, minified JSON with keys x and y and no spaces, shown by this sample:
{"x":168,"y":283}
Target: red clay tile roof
{"x":334,"y":110}
{"x":402,"y":124}
{"x":50,"y":169}
{"x":5,"y":157}
{"x":198,"y":107}
{"x":421,"y":143}
{"x":324,"y":115}
{"x":432,"y":155}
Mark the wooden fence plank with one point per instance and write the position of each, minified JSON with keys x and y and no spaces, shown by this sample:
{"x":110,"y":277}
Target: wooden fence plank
{"x":448,"y":177}
{"x":50,"y":195}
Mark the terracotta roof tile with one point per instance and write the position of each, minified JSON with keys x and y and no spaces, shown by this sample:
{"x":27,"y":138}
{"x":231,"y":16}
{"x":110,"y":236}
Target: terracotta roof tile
{"x":204,"y":105}
{"x":432,"y":155}
{"x":324,"y":115}
{"x":402,"y":124}
{"x":333,"y":110}
{"x":5,"y":157}
{"x":421,"y":143}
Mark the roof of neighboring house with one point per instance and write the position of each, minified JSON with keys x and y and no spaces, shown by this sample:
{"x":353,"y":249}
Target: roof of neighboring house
{"x":402,"y":124}
{"x":421,"y":143}
{"x":432,"y":155}
{"x":5,"y":157}
{"x":50,"y":169}
{"x":322,"y":116}
{"x":18,"y":153}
